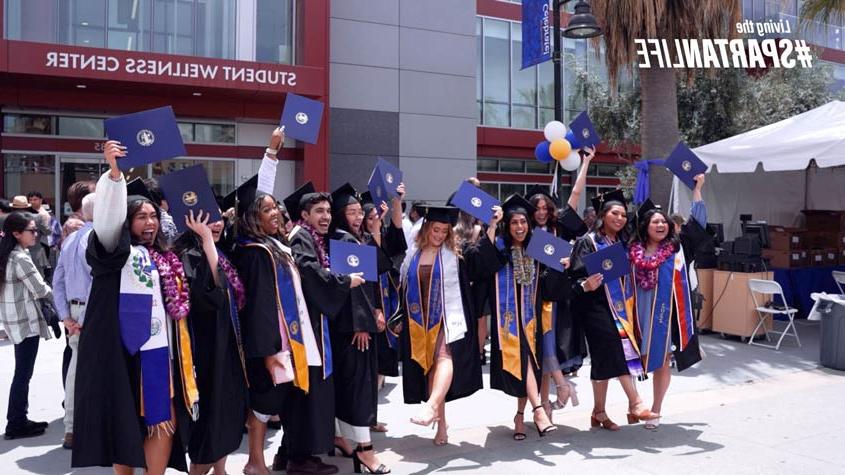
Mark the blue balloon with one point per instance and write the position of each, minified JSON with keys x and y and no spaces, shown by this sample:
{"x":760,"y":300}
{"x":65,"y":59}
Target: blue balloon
{"x":570,"y":136}
{"x":541,"y":152}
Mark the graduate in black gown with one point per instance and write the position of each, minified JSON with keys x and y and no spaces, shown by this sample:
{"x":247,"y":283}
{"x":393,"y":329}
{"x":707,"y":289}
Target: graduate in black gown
{"x":606,"y":311}
{"x":390,"y":240}
{"x":353,"y":332}
{"x":438,"y":326}
{"x":519,"y":288}
{"x":661,"y":257}
{"x":136,"y":322}
{"x":309,"y":419}
{"x":217,"y":295}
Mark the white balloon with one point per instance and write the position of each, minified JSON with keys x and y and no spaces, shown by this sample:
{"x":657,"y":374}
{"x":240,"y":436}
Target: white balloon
{"x":572,"y":162}
{"x":555,"y":130}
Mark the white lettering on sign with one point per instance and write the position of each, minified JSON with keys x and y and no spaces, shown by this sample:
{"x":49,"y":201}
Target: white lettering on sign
{"x":163,"y":68}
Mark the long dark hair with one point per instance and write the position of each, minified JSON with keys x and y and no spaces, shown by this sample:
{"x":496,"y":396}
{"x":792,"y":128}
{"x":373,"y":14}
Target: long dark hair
{"x":504,"y":228}
{"x":598,"y":226}
{"x":551,"y":206}
{"x":160,"y":242}
{"x":15,"y":223}
{"x":249,"y":225}
{"x":339,"y":222}
{"x":641,"y":235}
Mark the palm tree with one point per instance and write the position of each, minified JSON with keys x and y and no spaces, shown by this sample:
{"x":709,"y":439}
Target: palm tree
{"x":624,"y":21}
{"x":822,"y":11}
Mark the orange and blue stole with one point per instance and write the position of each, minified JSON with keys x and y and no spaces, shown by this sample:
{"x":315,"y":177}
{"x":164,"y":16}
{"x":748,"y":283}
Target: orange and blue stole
{"x":424,"y":327}
{"x":509,"y":316}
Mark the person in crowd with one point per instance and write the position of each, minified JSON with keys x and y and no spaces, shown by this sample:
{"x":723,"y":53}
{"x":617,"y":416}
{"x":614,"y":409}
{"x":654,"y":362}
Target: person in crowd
{"x":137,"y":394}
{"x":519,"y":287}
{"x":590,"y":216}
{"x":168,"y":227}
{"x":42,"y":209}
{"x":468,"y":231}
{"x":38,"y":251}
{"x":661,"y":258}
{"x":390,"y":240}
{"x":438,"y":322}
{"x":217,"y":295}
{"x":353,"y":331}
{"x":20,"y":313}
{"x":410,"y":222}
{"x":564,"y":346}
{"x":606,"y":313}
{"x":5,"y":210}
{"x":75,"y":193}
{"x":309,"y":417}
{"x":71,"y":286}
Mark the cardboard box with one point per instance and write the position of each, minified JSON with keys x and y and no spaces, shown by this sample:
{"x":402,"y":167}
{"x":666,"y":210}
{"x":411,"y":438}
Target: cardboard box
{"x":785,"y":259}
{"x":820,"y":240}
{"x":824,"y":220}
{"x":733,"y":310}
{"x":705,"y":286}
{"x":782,"y":238}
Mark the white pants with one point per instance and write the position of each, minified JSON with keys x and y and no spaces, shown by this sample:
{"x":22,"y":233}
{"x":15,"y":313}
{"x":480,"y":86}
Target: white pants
{"x":70,"y":382}
{"x":360,"y":435}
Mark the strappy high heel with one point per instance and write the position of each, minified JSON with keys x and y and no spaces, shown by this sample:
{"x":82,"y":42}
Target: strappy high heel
{"x":429,"y":421}
{"x":357,"y":463}
{"x":337,"y":448}
{"x":604,"y":423}
{"x":545,"y":430}
{"x":518,"y":435}
{"x":653,"y":424}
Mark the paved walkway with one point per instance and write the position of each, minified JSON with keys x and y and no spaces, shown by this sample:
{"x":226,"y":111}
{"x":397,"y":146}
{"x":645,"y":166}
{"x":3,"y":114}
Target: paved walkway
{"x":742,"y":410}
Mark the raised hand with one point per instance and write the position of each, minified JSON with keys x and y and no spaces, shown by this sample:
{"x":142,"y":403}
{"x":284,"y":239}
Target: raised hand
{"x":199,"y":225}
{"x":112,"y":150}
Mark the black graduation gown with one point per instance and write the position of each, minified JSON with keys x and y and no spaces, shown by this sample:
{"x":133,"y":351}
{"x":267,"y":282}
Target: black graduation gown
{"x":693,"y":237}
{"x":221,"y":377}
{"x":475,"y":265}
{"x":260,"y":328}
{"x":355,"y":371}
{"x":309,"y":418}
{"x":569,"y":335}
{"x":607,"y":359}
{"x":548,"y":289}
{"x":107,"y":426}
{"x":393,"y":245}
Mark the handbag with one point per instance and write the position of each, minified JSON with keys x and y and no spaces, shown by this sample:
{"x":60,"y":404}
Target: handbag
{"x":50,"y":315}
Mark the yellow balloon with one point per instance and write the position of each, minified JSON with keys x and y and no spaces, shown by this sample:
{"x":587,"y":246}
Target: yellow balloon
{"x":560,"y":149}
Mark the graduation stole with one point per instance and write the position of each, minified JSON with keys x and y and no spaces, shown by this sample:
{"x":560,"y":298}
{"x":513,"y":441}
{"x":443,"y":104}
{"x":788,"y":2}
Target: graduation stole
{"x":143,"y":319}
{"x":288,"y":312}
{"x":622,"y":300}
{"x":672,"y":287}
{"x":389,"y":303}
{"x":549,"y":308}
{"x":507,"y":313}
{"x":423,"y":327}
{"x":235,"y":304}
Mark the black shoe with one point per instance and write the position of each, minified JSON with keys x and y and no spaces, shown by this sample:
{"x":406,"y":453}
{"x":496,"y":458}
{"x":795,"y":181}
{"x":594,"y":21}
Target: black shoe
{"x":280,"y":462}
{"x":42,"y":425}
{"x":310,"y":466}
{"x":483,"y":358}
{"x":275,"y":425}
{"x":28,"y":430}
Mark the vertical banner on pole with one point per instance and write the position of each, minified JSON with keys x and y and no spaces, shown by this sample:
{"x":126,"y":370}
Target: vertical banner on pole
{"x":536,"y":32}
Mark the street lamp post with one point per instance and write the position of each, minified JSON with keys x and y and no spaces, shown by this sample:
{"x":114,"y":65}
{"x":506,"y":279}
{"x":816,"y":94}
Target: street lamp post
{"x":582,"y":24}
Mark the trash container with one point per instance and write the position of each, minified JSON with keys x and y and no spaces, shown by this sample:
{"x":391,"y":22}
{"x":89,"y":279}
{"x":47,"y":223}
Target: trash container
{"x":832,"y":345}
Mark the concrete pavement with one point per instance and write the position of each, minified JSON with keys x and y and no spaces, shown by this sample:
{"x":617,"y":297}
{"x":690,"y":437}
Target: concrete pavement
{"x":742,"y":410}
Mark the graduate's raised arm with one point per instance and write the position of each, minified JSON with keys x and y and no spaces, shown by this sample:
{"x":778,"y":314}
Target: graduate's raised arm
{"x":581,"y":181}
{"x":110,"y":201}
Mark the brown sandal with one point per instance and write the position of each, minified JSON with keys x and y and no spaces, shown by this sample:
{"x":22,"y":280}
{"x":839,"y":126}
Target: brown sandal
{"x":604,"y":423}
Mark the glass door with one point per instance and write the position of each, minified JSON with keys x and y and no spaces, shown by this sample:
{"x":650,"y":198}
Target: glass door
{"x":73,"y":169}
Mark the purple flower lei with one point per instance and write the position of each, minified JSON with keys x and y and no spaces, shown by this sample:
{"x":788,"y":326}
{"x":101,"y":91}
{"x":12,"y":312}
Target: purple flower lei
{"x":234,"y":281}
{"x":646,"y":267}
{"x":174,"y":284}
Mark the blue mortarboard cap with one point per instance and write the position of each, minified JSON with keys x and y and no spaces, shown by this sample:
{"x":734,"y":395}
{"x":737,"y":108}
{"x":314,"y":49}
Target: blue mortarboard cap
{"x":188,"y":190}
{"x":474,"y":201}
{"x":611,"y":262}
{"x":383,"y":181}
{"x":302,"y":117}
{"x":584,"y":132}
{"x":548,"y":249}
{"x":149,"y":136}
{"x":685,"y":164}
{"x":347,"y":258}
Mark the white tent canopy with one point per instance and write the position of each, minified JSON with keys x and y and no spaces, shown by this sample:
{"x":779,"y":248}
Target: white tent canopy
{"x":764,"y":172}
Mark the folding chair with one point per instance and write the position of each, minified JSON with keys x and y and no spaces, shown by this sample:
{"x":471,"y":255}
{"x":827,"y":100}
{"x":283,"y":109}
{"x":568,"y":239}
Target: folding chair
{"x":839,"y":277}
{"x":770,"y":287}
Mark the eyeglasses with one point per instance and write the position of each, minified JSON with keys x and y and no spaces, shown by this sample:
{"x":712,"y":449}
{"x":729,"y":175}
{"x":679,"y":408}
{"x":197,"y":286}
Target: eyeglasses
{"x":32,"y":230}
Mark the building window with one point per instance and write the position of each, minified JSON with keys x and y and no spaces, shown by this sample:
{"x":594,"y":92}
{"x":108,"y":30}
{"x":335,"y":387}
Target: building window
{"x":214,"y":133}
{"x":28,"y":124}
{"x":274,"y":31}
{"x":25,"y":173}
{"x":221,"y":173}
{"x":81,"y":127}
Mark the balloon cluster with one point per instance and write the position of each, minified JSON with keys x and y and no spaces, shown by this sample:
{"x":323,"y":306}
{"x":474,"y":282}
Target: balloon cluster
{"x":561,"y":145}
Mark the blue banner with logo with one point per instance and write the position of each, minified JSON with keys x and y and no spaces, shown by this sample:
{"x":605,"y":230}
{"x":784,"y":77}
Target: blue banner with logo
{"x":537,"y":26}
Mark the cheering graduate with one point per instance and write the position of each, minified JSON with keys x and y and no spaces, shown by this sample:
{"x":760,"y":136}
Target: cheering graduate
{"x":391,"y":241}
{"x":661,"y":260}
{"x":519,"y":288}
{"x":309,"y":418}
{"x":137,"y":394}
{"x":353,"y":331}
{"x":606,"y":310}
{"x":438,"y":323}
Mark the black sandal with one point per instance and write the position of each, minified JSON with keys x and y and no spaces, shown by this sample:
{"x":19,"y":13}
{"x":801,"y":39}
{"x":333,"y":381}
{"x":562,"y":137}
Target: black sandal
{"x":518,"y":435}
{"x":545,"y":430}
{"x":357,"y":463}
{"x":337,"y":448}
